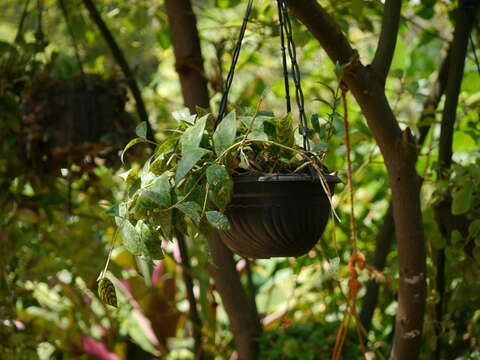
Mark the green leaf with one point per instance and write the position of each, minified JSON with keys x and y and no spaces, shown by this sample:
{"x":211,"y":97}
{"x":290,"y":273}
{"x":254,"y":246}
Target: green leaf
{"x":150,"y":238}
{"x":462,"y":200}
{"x":220,"y":185}
{"x":141,"y":130}
{"x":225,"y":133}
{"x":131,"y":239}
{"x":184,"y":115}
{"x":315,"y":123}
{"x":189,"y":159}
{"x":159,"y":191}
{"x":218,"y":220}
{"x":474,"y":231}
{"x":284,"y":130}
{"x":113,"y":210}
{"x":130,"y":176}
{"x":130,"y":144}
{"x":192,"y":137}
{"x":191,"y":209}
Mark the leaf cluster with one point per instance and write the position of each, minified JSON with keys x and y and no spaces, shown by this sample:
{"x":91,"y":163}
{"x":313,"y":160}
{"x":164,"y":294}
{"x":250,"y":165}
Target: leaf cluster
{"x":186,"y":185}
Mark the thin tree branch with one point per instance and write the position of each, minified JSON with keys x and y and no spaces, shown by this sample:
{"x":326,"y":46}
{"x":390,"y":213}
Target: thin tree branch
{"x":187,"y":278}
{"x":465,"y":20}
{"x":464,"y":23}
{"x":122,"y":62}
{"x":386,"y":234}
{"x":388,"y":38}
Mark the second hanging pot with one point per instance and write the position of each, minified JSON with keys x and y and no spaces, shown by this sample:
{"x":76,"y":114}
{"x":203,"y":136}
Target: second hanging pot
{"x":277,"y":215}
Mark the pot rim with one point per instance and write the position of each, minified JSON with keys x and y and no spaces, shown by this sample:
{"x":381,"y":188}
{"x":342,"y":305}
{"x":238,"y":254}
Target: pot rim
{"x":250,"y":178}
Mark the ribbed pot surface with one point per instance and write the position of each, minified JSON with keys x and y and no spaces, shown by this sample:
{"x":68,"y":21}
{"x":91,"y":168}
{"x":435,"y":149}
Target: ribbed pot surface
{"x":276,"y":215}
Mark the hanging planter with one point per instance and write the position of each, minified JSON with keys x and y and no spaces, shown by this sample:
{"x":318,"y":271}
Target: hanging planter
{"x":276,"y":215}
{"x":74,"y":122}
{"x":255,"y":179}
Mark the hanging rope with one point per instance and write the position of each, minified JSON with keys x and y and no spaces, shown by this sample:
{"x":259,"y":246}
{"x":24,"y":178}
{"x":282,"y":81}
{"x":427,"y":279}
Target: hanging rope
{"x":231,"y":73}
{"x":284,"y":56}
{"x":285,"y":32}
{"x":287,"y":25}
{"x":357,"y":259}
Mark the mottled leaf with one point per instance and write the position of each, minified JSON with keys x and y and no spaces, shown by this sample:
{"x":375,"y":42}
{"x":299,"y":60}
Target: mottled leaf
{"x":220,"y":185}
{"x":192,"y":137}
{"x":218,"y":220}
{"x":188,"y":161}
{"x":131,"y":239}
{"x":225,"y":133}
{"x":191,"y":209}
{"x":159,"y":191}
{"x":106,"y":292}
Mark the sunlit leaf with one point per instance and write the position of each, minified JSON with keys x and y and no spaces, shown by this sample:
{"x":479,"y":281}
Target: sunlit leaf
{"x":191,"y":209}
{"x":225,"y":133}
{"x":220,"y":185}
{"x":141,"y":130}
{"x":189,"y":159}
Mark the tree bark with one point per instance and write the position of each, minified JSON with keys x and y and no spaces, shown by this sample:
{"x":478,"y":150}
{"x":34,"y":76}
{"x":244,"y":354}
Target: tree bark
{"x":399,"y":151}
{"x":188,"y":55}
{"x":122,"y":62}
{"x":243,"y":320}
{"x":243,"y":317}
{"x":385,"y":236}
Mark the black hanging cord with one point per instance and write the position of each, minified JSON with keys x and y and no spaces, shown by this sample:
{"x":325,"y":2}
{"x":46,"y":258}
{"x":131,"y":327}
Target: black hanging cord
{"x":285,"y":31}
{"x":236,"y":53}
{"x":284,"y":57}
{"x":295,"y":74}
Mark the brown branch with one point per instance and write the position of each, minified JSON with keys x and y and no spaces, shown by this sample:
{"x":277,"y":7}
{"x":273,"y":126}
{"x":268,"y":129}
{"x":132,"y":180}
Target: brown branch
{"x":244,"y":322}
{"x":385,"y":236}
{"x":399,"y":152}
{"x":465,"y":19}
{"x":122,"y":62}
{"x":388,"y":38}
{"x":192,"y":302}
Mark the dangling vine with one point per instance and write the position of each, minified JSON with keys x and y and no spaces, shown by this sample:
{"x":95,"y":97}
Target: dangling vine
{"x":357,"y":259}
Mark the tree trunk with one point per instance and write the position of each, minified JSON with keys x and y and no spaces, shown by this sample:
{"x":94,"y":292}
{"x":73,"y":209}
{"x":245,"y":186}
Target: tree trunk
{"x":243,"y":320}
{"x":399,"y":152}
{"x":385,"y":236}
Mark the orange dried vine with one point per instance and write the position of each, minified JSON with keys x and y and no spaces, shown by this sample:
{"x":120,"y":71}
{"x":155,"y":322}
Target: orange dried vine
{"x":357,"y":259}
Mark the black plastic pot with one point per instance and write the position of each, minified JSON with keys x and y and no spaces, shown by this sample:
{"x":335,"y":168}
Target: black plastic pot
{"x":277,"y":215}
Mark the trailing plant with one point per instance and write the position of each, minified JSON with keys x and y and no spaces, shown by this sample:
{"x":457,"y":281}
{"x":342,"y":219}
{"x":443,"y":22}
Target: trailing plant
{"x":186,"y":185}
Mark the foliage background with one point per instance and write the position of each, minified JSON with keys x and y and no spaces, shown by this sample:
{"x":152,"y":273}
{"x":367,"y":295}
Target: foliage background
{"x":51,"y":259}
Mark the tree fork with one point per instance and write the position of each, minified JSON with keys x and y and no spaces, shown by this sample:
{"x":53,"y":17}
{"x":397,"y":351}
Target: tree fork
{"x":399,"y":151}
